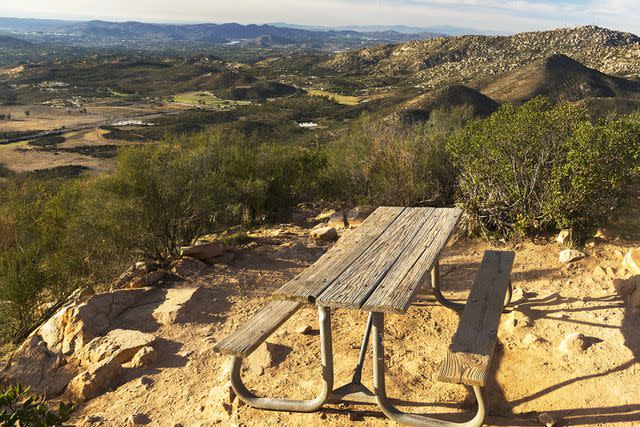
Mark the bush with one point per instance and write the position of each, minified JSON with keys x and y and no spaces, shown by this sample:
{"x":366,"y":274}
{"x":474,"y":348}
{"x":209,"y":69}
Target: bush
{"x":538,"y":167}
{"x":382,"y":163}
{"x":19,"y":408}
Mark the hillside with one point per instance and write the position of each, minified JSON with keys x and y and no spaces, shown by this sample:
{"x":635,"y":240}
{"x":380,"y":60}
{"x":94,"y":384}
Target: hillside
{"x":419,"y":108}
{"x":9,"y":42}
{"x":557,"y":77}
{"x":440,"y":61}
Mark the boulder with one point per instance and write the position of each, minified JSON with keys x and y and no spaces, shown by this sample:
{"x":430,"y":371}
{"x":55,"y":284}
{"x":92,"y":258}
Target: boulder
{"x":175,"y":307}
{"x":570,"y":255}
{"x":225,"y":258}
{"x":186,"y":266}
{"x":143,"y":358}
{"x":355,"y":216}
{"x":154,"y":277}
{"x":119,"y":344}
{"x":75,"y":325}
{"x":631,"y":261}
{"x":326,"y":234}
{"x":574,"y":343}
{"x":203,"y":251}
{"x":34,"y":364}
{"x":514,"y":321}
{"x":94,"y":381}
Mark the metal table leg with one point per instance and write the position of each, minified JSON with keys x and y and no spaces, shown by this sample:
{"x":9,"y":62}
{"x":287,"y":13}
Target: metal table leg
{"x":387,"y":407}
{"x":291,"y":405}
{"x":435,"y":285}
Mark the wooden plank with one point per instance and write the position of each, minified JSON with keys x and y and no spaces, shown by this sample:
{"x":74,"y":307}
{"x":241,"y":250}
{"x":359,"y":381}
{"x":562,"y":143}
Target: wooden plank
{"x":400,"y":286}
{"x":314,"y":280}
{"x":356,"y":283}
{"x":469,"y":355}
{"x":257,"y":329}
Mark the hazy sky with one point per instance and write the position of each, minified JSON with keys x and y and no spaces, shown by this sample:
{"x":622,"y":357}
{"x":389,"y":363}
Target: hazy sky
{"x":505,"y":15}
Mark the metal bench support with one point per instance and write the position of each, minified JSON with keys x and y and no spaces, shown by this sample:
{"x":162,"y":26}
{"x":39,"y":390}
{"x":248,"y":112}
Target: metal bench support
{"x":391,"y":411}
{"x":437,"y":293}
{"x":291,"y":405}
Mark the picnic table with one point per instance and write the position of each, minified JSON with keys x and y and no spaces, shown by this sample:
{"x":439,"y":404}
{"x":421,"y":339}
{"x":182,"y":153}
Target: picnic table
{"x":379,"y":268}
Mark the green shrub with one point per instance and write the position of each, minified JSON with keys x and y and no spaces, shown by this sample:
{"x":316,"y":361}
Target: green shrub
{"x":18,"y":407}
{"x":382,"y":163}
{"x":538,"y":167}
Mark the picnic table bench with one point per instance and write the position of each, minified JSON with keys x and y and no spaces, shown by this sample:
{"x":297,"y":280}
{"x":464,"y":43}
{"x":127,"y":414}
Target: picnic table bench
{"x":380,"y":268}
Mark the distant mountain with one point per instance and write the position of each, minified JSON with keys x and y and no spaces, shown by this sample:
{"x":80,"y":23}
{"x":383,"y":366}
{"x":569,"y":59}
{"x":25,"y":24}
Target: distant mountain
{"x":444,"y":61}
{"x":404,"y":29}
{"x":420,"y":108}
{"x":560,"y":78}
{"x":124,"y":33}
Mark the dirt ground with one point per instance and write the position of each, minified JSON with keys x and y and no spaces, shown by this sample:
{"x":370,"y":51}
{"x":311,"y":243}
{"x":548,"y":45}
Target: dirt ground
{"x":599,"y":386}
{"x":21,"y":157}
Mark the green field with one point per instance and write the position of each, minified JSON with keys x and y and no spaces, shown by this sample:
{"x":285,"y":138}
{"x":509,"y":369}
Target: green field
{"x":206,"y":99}
{"x":340,"y":99}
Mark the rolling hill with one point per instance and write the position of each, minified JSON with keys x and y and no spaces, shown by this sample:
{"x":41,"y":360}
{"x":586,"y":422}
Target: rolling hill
{"x":559,"y":78}
{"x":9,"y":42}
{"x":420,"y":108}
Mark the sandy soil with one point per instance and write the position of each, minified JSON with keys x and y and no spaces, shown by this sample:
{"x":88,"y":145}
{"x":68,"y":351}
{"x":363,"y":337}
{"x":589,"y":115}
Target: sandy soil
{"x":599,"y":386}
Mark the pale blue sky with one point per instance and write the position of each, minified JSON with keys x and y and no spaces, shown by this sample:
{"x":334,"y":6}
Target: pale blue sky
{"x":505,"y":15}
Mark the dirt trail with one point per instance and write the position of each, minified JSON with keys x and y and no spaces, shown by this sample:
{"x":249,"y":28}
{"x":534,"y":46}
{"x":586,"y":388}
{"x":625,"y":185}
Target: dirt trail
{"x":599,"y":386}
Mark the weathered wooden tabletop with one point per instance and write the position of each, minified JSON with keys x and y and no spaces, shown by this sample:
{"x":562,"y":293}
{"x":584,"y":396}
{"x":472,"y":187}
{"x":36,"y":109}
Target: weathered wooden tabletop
{"x":380,"y":266}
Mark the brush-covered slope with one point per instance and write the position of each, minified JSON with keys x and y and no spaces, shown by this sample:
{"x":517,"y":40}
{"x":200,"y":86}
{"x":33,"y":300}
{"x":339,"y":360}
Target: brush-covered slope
{"x":446,"y":60}
{"x":557,"y":77}
{"x":420,"y":108}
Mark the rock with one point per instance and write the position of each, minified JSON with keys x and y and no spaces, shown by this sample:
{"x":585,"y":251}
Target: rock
{"x":225,"y":258}
{"x":154,"y":277}
{"x":143,"y":358}
{"x":570,"y":255}
{"x":137,"y":283}
{"x":144,"y":382}
{"x":354,"y":217}
{"x":203,"y":251}
{"x":119,"y":344}
{"x":625,"y":287}
{"x":631,"y":261}
{"x":93,"y":419}
{"x":337,"y":220}
{"x":138,"y":419}
{"x":94,"y":381}
{"x":574,"y":343}
{"x":34,"y":364}
{"x":303,"y":329}
{"x":564,"y":236}
{"x":514,"y":321}
{"x":186,"y":266}
{"x":175,"y":307}
{"x":531,"y":339}
{"x":75,"y":325}
{"x":327,"y":234}
{"x":599,"y":272}
{"x":547,"y":420}
{"x":220,"y":401}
